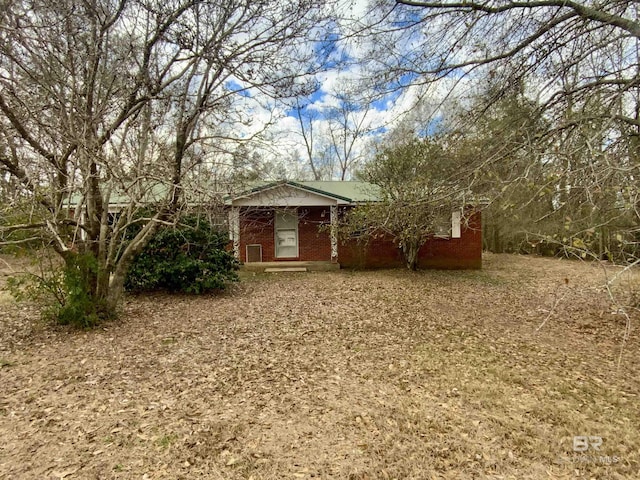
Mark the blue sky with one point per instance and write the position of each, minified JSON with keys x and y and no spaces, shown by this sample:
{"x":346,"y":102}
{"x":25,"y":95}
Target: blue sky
{"x":344,"y":62}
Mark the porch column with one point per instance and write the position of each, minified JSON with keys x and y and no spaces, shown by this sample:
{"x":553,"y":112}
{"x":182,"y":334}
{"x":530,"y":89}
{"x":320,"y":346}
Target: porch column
{"x":333,"y":216}
{"x":234,"y":230}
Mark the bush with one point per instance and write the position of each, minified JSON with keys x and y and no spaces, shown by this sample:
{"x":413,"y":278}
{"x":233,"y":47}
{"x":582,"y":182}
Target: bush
{"x":80,"y":308}
{"x":189,"y":257}
{"x":64,"y":292}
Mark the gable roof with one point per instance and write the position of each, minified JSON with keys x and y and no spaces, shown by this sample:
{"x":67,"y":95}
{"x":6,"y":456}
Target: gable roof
{"x":344,"y":192}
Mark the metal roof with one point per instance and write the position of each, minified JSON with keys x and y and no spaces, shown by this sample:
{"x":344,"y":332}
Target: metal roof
{"x":352,"y":192}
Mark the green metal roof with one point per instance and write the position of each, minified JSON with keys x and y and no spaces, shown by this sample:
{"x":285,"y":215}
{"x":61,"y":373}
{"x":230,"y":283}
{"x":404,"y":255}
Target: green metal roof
{"x":153,"y":193}
{"x":353,"y":192}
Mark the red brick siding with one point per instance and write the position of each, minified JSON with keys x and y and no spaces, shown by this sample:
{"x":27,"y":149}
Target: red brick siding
{"x":379,"y":252}
{"x":453,"y":253}
{"x":314,"y":238}
{"x":256,"y":227}
{"x":314,"y":243}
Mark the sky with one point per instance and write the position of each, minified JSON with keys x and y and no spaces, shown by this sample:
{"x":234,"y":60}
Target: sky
{"x":344,"y":72}
{"x":444,"y":40}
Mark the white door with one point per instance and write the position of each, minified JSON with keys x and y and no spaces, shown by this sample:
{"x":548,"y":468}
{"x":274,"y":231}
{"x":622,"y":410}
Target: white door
{"x":286,"y":231}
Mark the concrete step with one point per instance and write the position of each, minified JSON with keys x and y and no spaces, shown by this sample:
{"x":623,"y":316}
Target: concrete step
{"x":289,"y":265}
{"x":285,"y":269}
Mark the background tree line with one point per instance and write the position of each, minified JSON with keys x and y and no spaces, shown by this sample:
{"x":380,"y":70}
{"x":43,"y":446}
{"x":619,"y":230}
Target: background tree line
{"x":545,"y":122}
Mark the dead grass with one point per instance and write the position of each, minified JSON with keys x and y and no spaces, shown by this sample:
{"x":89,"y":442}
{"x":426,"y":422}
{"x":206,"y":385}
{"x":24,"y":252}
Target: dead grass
{"x":345,"y":375}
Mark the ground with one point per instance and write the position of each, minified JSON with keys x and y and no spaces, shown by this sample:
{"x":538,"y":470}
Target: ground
{"x":336,"y":375}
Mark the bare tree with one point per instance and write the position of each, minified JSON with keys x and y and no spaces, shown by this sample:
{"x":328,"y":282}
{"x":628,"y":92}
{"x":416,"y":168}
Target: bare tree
{"x":419,"y":188}
{"x":107,"y":102}
{"x":307,"y":121}
{"x":348,"y":125}
{"x":536,"y":40}
{"x":539,"y":42}
{"x":578,"y":61}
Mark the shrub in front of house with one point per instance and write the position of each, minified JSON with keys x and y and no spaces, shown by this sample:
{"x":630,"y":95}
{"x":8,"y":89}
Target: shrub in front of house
{"x":189,"y":257}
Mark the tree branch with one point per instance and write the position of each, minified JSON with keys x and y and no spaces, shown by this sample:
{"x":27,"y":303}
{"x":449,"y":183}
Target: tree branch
{"x":580,"y":9}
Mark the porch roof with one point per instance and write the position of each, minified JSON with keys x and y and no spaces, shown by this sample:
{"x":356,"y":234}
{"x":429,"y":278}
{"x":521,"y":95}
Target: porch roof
{"x":348,"y":193}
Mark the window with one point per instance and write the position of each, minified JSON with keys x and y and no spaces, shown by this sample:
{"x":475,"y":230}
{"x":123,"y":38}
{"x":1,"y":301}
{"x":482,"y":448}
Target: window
{"x":286,"y":231}
{"x":442,"y":228}
{"x":448,"y":227}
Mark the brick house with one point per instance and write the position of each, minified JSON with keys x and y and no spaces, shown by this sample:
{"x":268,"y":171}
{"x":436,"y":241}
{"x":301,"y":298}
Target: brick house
{"x":295,"y":223}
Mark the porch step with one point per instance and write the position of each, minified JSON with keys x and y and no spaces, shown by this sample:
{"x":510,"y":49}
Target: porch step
{"x":285,"y":269}
{"x":290,"y":266}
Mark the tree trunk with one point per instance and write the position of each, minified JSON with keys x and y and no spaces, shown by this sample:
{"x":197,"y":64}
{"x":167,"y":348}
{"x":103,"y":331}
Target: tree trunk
{"x":119,"y":274}
{"x":410,"y":251}
{"x":116,"y":289}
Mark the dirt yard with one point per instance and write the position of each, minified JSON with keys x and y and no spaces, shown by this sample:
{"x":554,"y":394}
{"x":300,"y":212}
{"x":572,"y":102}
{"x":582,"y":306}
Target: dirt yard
{"x":337,"y":375}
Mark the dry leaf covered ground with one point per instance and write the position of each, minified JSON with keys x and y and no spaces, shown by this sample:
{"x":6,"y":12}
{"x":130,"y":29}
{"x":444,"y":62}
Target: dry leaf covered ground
{"x":336,"y":375}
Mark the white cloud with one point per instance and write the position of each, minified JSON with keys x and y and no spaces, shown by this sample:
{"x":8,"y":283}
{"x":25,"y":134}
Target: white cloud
{"x":285,"y":139}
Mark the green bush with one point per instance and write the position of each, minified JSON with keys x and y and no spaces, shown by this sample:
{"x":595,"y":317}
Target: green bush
{"x":64,"y":293}
{"x":189,"y":257}
{"x":80,"y":308}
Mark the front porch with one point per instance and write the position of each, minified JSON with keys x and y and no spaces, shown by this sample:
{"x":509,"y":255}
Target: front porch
{"x":290,"y":266}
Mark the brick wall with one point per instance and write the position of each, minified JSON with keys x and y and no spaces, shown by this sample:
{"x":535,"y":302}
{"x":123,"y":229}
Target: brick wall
{"x":256,"y":227}
{"x":453,"y":253}
{"x":314,"y":238}
{"x":378,"y":252}
{"x":314,"y":243}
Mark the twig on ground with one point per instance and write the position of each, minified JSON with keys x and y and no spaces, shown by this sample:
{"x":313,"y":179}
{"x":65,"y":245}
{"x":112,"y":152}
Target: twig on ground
{"x":553,"y":308}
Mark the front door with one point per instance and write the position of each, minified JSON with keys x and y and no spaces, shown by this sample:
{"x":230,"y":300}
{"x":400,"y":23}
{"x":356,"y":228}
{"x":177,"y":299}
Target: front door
{"x":286,"y":231}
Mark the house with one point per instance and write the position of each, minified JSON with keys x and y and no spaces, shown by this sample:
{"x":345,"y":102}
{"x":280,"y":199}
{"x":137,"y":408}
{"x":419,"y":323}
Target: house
{"x":290,"y":223}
